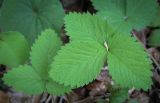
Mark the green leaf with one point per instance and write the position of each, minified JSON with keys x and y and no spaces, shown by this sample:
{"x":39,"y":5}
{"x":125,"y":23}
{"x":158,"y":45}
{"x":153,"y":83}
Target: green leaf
{"x":43,"y":51}
{"x":30,"y":17}
{"x":156,"y":21}
{"x":56,"y":89}
{"x":119,"y":96}
{"x":14,"y":49}
{"x":78,"y":63}
{"x":79,"y":57}
{"x":85,"y":27}
{"x":24,"y":78}
{"x":128,"y":63}
{"x":125,"y":15}
{"x":154,"y":39}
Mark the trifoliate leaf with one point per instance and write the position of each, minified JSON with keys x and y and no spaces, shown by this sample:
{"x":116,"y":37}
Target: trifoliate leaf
{"x":30,"y":17}
{"x":14,"y":49}
{"x":119,"y":96}
{"x":154,"y":39}
{"x":85,"y":27}
{"x":78,"y":63}
{"x":43,"y":51}
{"x":125,"y":15}
{"x":156,"y":21}
{"x":24,"y":78}
{"x":128,"y":63}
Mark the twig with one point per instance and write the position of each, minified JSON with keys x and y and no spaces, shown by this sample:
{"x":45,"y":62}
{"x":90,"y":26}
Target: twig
{"x":44,"y":97}
{"x":49,"y":99}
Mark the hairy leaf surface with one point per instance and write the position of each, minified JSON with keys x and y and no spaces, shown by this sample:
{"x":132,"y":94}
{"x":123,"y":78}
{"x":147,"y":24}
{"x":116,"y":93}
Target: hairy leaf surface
{"x":125,"y":15}
{"x":14,"y":49}
{"x":78,"y":63}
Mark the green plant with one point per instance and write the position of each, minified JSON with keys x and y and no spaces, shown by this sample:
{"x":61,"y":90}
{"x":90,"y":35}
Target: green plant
{"x":14,"y":49}
{"x":125,"y":15}
{"x":34,"y":79}
{"x":119,"y":95}
{"x":30,"y":17}
{"x":80,"y":61}
{"x":95,"y":41}
{"x":156,"y":21}
{"x":92,"y":43}
{"x":154,"y":39}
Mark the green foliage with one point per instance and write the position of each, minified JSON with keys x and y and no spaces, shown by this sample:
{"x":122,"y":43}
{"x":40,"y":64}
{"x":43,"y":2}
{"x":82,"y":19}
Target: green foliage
{"x":128,"y":64}
{"x":94,"y":29}
{"x":30,"y":17}
{"x":154,"y":39}
{"x":80,"y":61}
{"x":43,"y":51}
{"x":1,"y":1}
{"x":57,"y":69}
{"x":119,"y":95}
{"x":14,"y":49}
{"x":34,"y":79}
{"x":24,"y":78}
{"x":125,"y":15}
{"x":156,"y":21}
